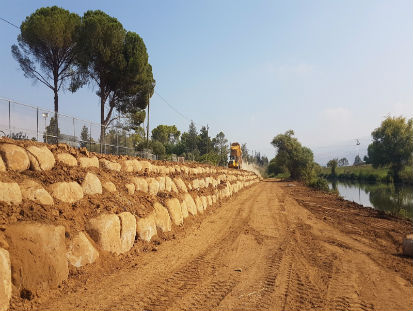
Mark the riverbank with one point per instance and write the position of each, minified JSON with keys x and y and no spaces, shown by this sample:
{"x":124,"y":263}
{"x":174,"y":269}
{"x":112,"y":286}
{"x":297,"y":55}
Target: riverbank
{"x":367,"y":173}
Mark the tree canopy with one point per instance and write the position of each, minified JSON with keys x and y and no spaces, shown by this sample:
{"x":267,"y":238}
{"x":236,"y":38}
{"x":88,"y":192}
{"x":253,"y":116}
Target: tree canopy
{"x":296,"y":158}
{"x":392,"y":145}
{"x":45,"y":50}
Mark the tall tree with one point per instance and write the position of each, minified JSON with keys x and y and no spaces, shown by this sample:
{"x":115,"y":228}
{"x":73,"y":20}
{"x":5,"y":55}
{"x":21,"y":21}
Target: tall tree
{"x":357,"y":160}
{"x":297,"y":159}
{"x":117,"y":62}
{"x":333,"y":165}
{"x":204,"y":141}
{"x":166,"y":134}
{"x":221,"y":146}
{"x":45,"y":49}
{"x":343,"y":162}
{"x":392,"y":145}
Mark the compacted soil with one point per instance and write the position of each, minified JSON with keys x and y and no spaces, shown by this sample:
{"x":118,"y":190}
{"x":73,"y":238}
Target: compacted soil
{"x":274,"y":246}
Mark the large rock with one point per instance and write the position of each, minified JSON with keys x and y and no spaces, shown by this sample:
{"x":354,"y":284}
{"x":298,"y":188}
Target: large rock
{"x":199,"y":205}
{"x":68,"y":192}
{"x":130,"y":188}
{"x":109,"y":165}
{"x":89,"y":162}
{"x":140,"y":184}
{"x":10,"y":193}
{"x":173,"y":187}
{"x":81,"y":251}
{"x":105,"y":231}
{"x":109,"y":186}
{"x":153,"y":186}
{"x":127,"y":231}
{"x":15,"y":157}
{"x":180,"y":184}
{"x":38,"y":255}
{"x":161,"y":181}
{"x":127,"y":166}
{"x":33,"y":191}
{"x":5,"y":280}
{"x":174,"y":209}
{"x":91,"y":184}
{"x":41,"y":158}
{"x":162,"y":219}
{"x":146,"y":227}
{"x":184,"y":209}
{"x":145,"y":166}
{"x":190,"y":204}
{"x":408,"y":245}
{"x":204,"y":201}
{"x":168,"y":184}
{"x":2,"y":165}
{"x":195,"y":184}
{"x":67,"y":159}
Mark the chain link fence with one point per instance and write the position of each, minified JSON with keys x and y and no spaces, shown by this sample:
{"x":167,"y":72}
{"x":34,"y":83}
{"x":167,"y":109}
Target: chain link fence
{"x":21,"y":121}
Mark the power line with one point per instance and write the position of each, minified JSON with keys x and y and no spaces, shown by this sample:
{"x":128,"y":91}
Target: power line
{"x":173,"y":108}
{"x":10,"y":23}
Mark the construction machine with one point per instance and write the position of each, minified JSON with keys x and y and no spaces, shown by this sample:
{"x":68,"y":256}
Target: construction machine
{"x":235,"y":156}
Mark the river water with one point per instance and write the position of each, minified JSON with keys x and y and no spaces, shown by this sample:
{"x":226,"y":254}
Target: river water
{"x":394,"y":199}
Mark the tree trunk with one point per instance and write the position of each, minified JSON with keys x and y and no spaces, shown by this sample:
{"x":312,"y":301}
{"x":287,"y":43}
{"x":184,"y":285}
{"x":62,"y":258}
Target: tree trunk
{"x":56,"y":107}
{"x":102,"y":119}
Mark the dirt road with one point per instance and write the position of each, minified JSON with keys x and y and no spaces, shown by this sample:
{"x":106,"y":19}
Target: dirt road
{"x":273,"y":247}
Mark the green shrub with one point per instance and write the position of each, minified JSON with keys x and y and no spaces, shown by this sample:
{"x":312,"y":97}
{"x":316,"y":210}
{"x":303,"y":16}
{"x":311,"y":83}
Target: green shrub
{"x":319,"y":183}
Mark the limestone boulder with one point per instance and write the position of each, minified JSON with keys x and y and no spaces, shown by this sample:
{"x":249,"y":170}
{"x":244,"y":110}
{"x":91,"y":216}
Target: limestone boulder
{"x":91,"y":184}
{"x":2,"y":165}
{"x":33,"y":191}
{"x":109,"y":186}
{"x":15,"y":157}
{"x":209,"y":198}
{"x":5,"y":280}
{"x":68,"y":192}
{"x":137,"y":167}
{"x":190,"y":204}
{"x":162,"y":219}
{"x":184,"y":209}
{"x":204,"y":201}
{"x":195,"y":184}
{"x":105,"y":231}
{"x":41,"y":158}
{"x":175,"y":212}
{"x":81,"y":251}
{"x":38,"y":255}
{"x":67,"y":159}
{"x":161,"y":181}
{"x":199,"y":205}
{"x":89,"y":162}
{"x":130,"y":188}
{"x":153,"y":186}
{"x":408,"y":245}
{"x":127,"y":231}
{"x":168,"y":184}
{"x":180,"y":184}
{"x":109,"y":165}
{"x":10,"y":193}
{"x":127,"y":166}
{"x":140,"y":184}
{"x":146,"y":227}
{"x":173,"y":187}
{"x":146,"y":166}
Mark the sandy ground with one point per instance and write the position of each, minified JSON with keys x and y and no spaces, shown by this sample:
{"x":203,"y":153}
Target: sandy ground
{"x":276,"y":246}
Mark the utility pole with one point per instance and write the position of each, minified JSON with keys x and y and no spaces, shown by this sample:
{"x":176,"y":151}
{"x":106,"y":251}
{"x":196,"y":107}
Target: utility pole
{"x":207,"y":146}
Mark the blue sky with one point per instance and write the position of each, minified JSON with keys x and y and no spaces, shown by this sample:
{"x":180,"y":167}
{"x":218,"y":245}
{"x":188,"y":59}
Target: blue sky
{"x":329,"y":70}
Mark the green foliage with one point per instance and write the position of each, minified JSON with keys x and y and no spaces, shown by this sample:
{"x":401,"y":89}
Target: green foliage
{"x":277,"y":167}
{"x":204,"y":141}
{"x":190,"y":141}
{"x":117,"y":62}
{"x":220,"y":144}
{"x":166,"y":134}
{"x":343,"y":162}
{"x":296,"y":158}
{"x":158,"y":149}
{"x":319,"y":183}
{"x":45,"y":50}
{"x":52,"y":132}
{"x":357,"y":161}
{"x":333,"y":165}
{"x":392,"y":145}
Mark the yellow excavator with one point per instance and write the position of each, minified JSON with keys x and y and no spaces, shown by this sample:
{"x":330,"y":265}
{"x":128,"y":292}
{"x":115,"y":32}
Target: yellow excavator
{"x":235,"y":156}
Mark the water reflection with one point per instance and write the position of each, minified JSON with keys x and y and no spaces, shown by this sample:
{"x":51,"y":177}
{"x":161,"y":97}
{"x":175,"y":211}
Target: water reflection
{"x":394,"y":199}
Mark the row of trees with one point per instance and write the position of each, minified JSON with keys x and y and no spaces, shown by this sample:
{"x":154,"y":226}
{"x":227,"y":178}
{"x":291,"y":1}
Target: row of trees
{"x":196,"y":146}
{"x":62,"y":50}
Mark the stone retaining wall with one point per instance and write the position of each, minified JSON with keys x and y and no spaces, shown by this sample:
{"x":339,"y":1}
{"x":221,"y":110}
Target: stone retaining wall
{"x":43,"y":184}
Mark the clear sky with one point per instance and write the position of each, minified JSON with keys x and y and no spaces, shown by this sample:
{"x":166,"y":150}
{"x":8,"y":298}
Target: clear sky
{"x":329,"y":70}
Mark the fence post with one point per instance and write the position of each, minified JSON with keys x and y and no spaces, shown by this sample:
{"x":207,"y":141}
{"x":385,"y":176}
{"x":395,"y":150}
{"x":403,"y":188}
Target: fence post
{"x":9,"y":121}
{"x":37,"y":123}
{"x":90,"y":137}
